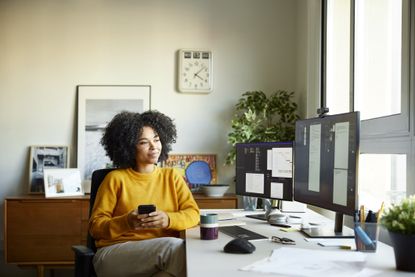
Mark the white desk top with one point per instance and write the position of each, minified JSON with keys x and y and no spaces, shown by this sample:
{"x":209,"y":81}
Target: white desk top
{"x":206,"y":257}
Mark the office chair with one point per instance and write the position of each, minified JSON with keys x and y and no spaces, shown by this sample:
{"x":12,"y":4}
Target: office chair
{"x":85,"y":254}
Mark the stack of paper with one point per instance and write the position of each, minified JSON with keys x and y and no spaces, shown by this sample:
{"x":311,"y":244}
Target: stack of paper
{"x":310,"y":262}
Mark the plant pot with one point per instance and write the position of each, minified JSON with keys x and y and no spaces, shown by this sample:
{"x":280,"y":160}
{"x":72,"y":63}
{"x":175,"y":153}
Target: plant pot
{"x":404,"y":248}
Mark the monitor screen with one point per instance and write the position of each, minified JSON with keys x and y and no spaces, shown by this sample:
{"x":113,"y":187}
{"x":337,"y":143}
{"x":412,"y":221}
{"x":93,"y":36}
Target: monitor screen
{"x":265,"y":170}
{"x":326,"y":159}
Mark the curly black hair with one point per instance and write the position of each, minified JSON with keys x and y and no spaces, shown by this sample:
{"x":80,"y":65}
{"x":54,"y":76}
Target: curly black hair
{"x":123,"y":131}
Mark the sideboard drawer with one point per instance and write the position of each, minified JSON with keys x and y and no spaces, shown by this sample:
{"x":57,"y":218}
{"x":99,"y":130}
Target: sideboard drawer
{"x":40,"y":230}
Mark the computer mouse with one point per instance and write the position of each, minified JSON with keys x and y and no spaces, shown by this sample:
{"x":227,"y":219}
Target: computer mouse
{"x":239,"y":246}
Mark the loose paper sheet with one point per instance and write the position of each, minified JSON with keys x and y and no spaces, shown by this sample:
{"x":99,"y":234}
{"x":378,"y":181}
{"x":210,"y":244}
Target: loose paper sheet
{"x":311,"y":262}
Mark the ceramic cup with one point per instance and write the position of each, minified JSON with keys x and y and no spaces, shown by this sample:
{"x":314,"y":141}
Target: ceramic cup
{"x":209,"y":226}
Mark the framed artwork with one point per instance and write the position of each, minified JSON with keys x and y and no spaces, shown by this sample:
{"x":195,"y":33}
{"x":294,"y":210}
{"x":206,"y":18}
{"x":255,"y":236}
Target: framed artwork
{"x":183,"y":162}
{"x":97,"y":105}
{"x":45,"y":157}
{"x":62,"y":182}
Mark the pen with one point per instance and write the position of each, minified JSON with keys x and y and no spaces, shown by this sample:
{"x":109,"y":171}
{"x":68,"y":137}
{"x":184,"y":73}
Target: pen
{"x":341,"y":246}
{"x":371,"y":217}
{"x":362,"y":213}
{"x":356,"y":216}
{"x":379,"y":213}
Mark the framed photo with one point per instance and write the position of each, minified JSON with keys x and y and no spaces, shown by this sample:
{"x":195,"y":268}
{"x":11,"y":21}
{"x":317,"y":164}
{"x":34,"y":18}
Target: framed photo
{"x":45,"y":157}
{"x":183,"y":161}
{"x":97,"y":105}
{"x":62,"y":182}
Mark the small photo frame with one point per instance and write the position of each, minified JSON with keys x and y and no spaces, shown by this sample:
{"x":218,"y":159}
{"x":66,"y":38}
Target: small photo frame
{"x":45,"y":157}
{"x":62,"y":182}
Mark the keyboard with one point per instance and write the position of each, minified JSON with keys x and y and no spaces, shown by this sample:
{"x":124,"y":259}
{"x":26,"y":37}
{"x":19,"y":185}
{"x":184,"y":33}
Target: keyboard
{"x":231,"y":222}
{"x":239,"y":232}
{"x":257,"y":216}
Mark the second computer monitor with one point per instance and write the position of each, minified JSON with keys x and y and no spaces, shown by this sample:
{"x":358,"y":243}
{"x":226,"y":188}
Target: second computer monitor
{"x":326,"y":163}
{"x":265,"y":170}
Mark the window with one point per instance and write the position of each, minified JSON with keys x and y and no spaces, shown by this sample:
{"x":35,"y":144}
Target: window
{"x":366,"y":67}
{"x":378,"y":58}
{"x":388,"y":184}
{"x":338,"y":56}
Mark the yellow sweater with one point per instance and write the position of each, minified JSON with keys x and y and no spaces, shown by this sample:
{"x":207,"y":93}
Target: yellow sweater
{"x":124,"y":189}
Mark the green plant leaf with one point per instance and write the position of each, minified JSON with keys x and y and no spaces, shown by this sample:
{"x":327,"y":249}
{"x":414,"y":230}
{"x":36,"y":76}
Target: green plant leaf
{"x":261,"y":118}
{"x":400,"y":218}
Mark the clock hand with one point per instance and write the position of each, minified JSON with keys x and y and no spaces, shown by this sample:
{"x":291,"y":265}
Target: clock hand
{"x":198,"y":77}
{"x":199,"y":70}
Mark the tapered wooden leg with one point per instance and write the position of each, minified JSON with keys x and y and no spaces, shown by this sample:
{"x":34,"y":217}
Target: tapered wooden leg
{"x":40,"y":271}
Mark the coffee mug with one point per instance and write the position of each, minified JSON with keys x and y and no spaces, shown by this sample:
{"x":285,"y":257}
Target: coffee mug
{"x":209,"y":226}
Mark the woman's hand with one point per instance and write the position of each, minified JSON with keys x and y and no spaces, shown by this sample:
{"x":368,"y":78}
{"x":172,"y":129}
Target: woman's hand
{"x":157,"y":219}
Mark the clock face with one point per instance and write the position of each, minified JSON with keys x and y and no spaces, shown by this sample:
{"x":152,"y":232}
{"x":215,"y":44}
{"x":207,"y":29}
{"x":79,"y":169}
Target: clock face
{"x":195,"y":71}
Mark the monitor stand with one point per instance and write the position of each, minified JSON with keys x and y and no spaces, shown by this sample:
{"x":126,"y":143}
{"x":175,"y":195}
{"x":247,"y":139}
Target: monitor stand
{"x":268,"y":209}
{"x":326,"y":232}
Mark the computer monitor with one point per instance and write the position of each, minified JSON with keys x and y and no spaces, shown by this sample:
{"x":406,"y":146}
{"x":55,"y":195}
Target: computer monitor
{"x":325,"y":166}
{"x":265,"y":170}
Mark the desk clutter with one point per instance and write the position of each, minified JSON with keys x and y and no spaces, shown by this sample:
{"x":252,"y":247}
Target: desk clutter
{"x":288,"y":261}
{"x":285,"y":253}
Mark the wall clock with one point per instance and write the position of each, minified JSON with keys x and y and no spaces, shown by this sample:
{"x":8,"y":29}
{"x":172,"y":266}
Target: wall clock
{"x":195,"y":71}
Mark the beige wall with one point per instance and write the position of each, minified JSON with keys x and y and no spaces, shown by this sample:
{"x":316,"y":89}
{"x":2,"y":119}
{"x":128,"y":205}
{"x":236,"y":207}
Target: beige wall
{"x":47,"y":48}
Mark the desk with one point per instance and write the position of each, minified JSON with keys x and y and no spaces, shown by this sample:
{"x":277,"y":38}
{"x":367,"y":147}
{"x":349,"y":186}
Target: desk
{"x":206,"y":257}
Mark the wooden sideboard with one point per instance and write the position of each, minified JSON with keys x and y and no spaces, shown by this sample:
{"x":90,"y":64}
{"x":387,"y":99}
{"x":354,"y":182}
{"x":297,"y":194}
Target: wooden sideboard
{"x":40,"y":231}
{"x":228,"y":201}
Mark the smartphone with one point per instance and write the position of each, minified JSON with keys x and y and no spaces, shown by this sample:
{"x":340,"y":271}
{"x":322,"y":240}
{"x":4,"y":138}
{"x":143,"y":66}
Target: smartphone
{"x":146,"y":209}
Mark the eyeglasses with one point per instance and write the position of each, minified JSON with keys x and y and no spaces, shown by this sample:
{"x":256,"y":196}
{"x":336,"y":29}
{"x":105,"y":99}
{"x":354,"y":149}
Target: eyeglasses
{"x":282,"y":240}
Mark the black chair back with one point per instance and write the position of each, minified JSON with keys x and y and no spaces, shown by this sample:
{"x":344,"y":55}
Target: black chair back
{"x":96,"y":180}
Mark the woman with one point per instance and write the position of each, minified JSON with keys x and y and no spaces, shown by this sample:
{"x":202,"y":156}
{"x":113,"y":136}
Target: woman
{"x":132,"y":244}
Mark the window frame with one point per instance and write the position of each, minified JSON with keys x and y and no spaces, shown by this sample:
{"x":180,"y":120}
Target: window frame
{"x":384,"y":135}
{"x":398,"y":124}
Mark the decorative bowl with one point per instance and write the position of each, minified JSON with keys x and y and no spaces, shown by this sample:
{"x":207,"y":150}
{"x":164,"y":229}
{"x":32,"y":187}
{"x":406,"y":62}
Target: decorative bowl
{"x":214,"y":190}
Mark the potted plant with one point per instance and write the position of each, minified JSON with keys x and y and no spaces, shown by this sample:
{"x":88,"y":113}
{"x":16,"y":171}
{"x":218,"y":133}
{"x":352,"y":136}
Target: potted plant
{"x":259,"y":118}
{"x":399,"y":220}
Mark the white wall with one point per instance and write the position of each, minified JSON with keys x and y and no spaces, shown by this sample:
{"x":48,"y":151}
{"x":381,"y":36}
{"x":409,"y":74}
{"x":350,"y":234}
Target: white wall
{"x":49,"y":47}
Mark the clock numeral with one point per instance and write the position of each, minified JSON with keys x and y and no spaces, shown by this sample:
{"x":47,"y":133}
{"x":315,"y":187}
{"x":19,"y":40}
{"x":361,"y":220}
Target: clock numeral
{"x":196,"y":55}
{"x":187,"y":55}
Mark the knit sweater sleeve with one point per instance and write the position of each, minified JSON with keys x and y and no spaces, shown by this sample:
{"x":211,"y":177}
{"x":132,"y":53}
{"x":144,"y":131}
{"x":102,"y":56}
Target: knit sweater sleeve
{"x":188,"y":213}
{"x":103,"y":224}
